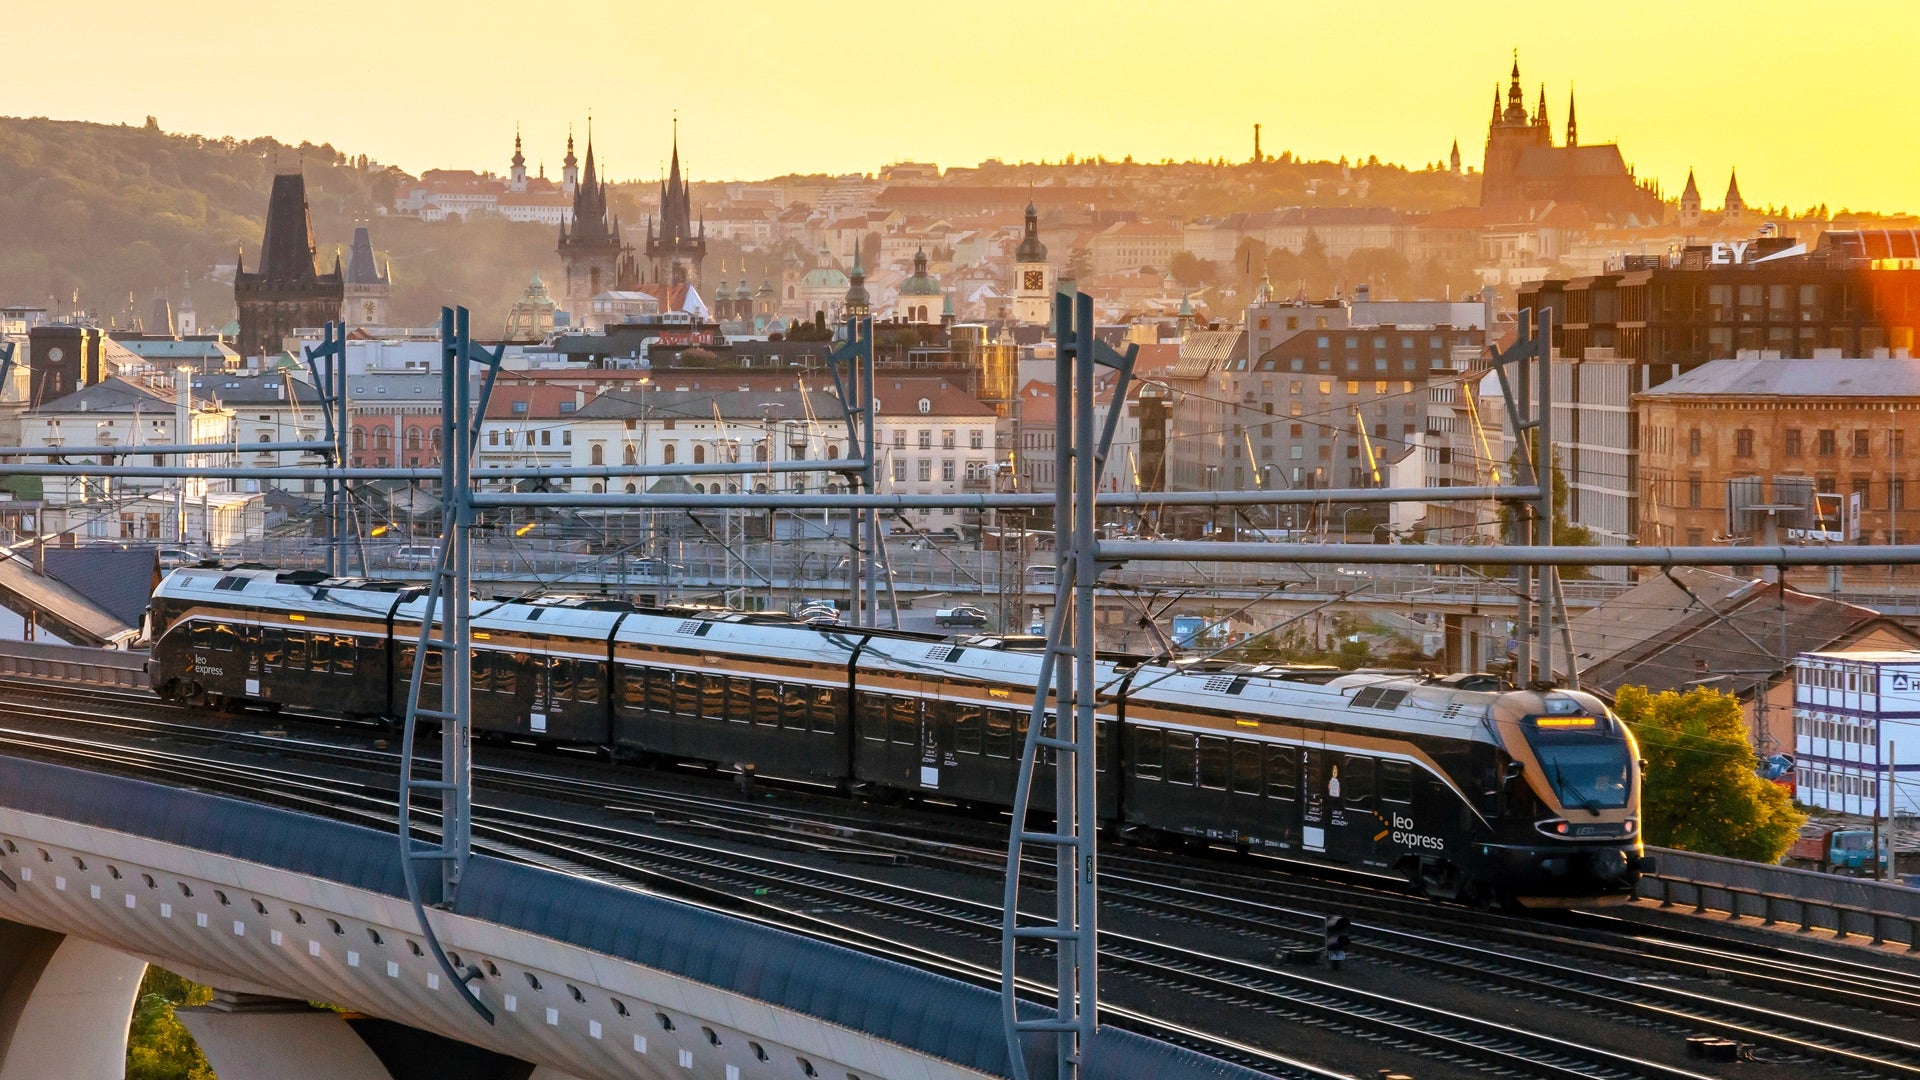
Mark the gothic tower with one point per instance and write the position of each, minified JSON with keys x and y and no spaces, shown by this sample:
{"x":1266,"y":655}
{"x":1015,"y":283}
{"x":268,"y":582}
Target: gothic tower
{"x":1032,"y":277}
{"x":1690,"y":204}
{"x":1735,"y":208}
{"x":589,"y":248}
{"x":369,"y":288}
{"x":288,"y":292}
{"x":676,"y":242}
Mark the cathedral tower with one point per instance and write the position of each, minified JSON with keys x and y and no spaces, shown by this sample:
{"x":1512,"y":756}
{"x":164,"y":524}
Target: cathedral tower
{"x":590,"y":247}
{"x":673,"y":242}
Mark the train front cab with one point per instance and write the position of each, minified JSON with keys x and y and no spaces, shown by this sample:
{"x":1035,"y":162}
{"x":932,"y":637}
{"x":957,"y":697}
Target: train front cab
{"x":1569,"y":829}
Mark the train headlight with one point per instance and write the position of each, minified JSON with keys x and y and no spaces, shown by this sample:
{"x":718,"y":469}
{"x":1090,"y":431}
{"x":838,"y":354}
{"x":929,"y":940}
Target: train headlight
{"x":1628,"y":826}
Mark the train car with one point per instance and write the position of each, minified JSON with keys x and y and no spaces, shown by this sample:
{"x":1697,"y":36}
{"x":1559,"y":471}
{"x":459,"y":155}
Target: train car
{"x":758,"y":693}
{"x":298,"y":639}
{"x":949,"y":718}
{"x":539,"y":668}
{"x":1462,"y":789}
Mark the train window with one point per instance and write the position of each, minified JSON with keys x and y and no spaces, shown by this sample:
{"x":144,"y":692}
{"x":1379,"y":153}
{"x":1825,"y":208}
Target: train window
{"x":873,"y":716}
{"x":1102,"y":745}
{"x":1396,"y":781}
{"x":480,"y":670}
{"x":1356,"y":780}
{"x":506,"y":672}
{"x":793,"y":705}
{"x":297,"y":649}
{"x":586,"y":682}
{"x":320,"y":652}
{"x":766,"y":706}
{"x":559,"y":678}
{"x":999,"y":733}
{"x":224,"y":638}
{"x":739,"y":700}
{"x":403,"y":662}
{"x":1246,"y":768}
{"x":904,"y":713}
{"x":273,"y":642}
{"x":713,"y":696}
{"x":1180,"y":756}
{"x":345,"y":653}
{"x":967,"y":729}
{"x":686,"y":694}
{"x":434,"y":668}
{"x":633,"y":687}
{"x":660,"y":690}
{"x":828,"y":703}
{"x":1213,"y":762}
{"x":1283,"y":773}
{"x":1146,"y":753}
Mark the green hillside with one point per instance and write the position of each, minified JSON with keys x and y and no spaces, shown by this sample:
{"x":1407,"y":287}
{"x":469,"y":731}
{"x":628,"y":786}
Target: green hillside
{"x":107,"y":210}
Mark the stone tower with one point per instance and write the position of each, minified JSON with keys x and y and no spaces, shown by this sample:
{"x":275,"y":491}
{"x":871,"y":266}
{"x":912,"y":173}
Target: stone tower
{"x":288,"y":291}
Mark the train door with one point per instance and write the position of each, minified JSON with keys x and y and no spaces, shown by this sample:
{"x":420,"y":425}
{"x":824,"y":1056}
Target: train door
{"x":1282,"y":776}
{"x":1355,"y":824}
{"x":548,"y":688}
{"x":1314,"y":815}
{"x":937,"y":756}
{"x":1247,"y":811}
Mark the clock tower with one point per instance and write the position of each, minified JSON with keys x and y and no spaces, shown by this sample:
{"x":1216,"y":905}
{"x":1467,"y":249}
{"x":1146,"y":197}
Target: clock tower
{"x":1032,"y":277}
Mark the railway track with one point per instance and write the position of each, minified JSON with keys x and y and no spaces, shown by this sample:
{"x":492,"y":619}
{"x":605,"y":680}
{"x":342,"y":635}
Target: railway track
{"x":1525,"y":961}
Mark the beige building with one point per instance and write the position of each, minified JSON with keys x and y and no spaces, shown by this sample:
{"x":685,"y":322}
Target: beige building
{"x":1841,"y":423}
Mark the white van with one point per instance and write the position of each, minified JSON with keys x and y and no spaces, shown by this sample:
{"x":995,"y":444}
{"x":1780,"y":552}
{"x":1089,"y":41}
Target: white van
{"x":418,"y":555}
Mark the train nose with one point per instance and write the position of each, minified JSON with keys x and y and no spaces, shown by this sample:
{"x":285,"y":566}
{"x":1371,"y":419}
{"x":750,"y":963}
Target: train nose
{"x":1609,"y":865}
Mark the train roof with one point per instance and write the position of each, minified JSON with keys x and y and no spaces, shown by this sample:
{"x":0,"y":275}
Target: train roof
{"x":1400,"y":703}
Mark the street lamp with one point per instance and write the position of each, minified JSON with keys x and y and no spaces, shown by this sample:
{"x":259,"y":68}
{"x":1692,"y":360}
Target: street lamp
{"x":1346,"y":530}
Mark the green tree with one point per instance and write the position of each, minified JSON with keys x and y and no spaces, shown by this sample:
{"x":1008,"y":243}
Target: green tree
{"x":1700,"y":792}
{"x":158,"y":1045}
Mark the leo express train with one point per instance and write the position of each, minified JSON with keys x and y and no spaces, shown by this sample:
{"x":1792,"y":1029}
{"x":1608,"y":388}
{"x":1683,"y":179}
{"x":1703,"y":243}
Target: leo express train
{"x":1456,"y":785}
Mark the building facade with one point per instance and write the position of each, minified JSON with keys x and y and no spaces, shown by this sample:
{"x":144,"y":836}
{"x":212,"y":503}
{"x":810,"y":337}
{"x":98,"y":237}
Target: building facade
{"x":1852,"y":710}
{"x":1838,"y":425}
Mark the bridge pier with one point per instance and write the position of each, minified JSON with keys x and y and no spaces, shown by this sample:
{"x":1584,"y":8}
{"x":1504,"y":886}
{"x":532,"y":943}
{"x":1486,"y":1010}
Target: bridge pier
{"x":250,"y":1037}
{"x":65,"y":1004}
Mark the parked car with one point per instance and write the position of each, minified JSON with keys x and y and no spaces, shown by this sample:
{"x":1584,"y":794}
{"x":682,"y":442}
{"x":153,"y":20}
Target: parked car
{"x":964,"y":615}
{"x":172,"y":557}
{"x":416,"y":555}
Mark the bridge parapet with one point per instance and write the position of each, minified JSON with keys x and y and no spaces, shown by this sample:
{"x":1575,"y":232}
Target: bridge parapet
{"x":584,"y":978}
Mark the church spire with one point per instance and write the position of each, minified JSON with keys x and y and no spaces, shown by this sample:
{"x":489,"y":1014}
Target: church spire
{"x":1540,"y":114}
{"x":1573,"y":128}
{"x":1516,"y":98}
{"x":519,"y":159}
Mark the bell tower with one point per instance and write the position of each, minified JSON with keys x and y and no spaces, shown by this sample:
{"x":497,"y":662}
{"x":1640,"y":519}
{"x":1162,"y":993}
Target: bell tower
{"x":1032,"y":277}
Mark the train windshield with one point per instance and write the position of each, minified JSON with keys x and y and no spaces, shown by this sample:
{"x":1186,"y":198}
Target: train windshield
{"x":1584,"y":759}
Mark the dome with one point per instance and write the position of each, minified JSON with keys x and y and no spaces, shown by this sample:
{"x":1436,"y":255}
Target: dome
{"x":921,"y":283}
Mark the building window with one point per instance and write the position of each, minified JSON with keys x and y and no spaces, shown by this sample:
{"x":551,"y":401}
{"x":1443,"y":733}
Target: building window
{"x":976,"y":439}
{"x":1897,"y":493}
{"x":1743,"y":443}
{"x":699,"y":454}
{"x":668,"y":453}
{"x":1693,"y":491}
{"x":1693,"y":442}
{"x":1696,"y":537}
{"x":1828,"y":444}
{"x":1862,"y":443}
{"x":925,"y":469}
{"x":946,"y":439}
{"x":900,"y":439}
{"x":1791,"y":447}
{"x":597,"y":455}
{"x":1353,"y":386}
{"x":899,"y":470}
{"x":926,"y":440}
{"x":946,"y":469}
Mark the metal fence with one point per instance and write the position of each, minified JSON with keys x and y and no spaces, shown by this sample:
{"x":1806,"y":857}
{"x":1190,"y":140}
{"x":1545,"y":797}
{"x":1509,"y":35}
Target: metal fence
{"x":1880,"y":910}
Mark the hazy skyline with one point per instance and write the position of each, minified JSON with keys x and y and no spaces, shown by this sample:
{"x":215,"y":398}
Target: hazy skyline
{"x":1800,"y":98}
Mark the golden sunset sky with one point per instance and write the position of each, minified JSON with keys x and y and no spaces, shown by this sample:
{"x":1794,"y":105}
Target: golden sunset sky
{"x":1809,"y":100}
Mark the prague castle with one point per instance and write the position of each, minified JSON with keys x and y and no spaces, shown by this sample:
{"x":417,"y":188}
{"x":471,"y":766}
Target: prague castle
{"x":1524,"y":166}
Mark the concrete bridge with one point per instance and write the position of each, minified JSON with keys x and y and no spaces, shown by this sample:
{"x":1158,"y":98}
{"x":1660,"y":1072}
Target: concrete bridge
{"x":100,"y":875}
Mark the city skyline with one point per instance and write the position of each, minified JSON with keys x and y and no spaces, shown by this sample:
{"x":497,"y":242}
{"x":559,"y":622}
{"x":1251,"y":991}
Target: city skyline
{"x":762,"y":94}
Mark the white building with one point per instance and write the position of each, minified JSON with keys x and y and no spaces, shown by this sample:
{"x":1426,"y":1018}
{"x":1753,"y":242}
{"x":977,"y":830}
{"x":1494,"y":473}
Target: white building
{"x":1856,"y":721}
{"x":117,"y":417}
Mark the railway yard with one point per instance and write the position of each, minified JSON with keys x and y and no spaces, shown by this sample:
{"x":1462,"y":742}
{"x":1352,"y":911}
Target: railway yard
{"x":1209,"y":948}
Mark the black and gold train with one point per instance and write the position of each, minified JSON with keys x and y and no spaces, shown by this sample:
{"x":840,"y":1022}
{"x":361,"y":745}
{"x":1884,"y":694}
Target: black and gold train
{"x":1457,"y":785}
